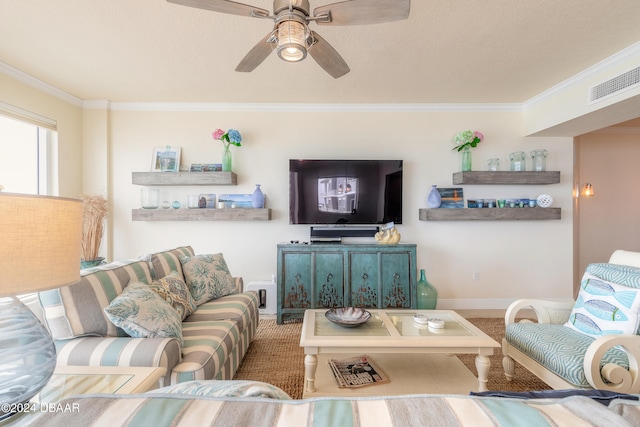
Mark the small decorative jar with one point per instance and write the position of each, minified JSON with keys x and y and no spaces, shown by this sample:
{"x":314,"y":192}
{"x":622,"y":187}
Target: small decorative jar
{"x":434,"y":200}
{"x":518,"y":161}
{"x":149,"y":198}
{"x":539,"y":160}
{"x":493,"y":164}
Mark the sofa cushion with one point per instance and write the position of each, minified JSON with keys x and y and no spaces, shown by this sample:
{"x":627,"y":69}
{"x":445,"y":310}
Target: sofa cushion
{"x":207,"y":346}
{"x":242,"y":308}
{"x":163,"y":263}
{"x":559,"y":348}
{"x":606,"y":304}
{"x":174,"y":291}
{"x":78,"y":310}
{"x":207,"y":276}
{"x":142,"y":313}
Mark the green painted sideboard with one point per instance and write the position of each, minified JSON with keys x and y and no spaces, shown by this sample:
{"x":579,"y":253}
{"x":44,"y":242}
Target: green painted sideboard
{"x":327,"y":275}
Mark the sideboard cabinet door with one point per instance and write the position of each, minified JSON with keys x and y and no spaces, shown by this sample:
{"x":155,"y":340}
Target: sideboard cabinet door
{"x":396,"y":280}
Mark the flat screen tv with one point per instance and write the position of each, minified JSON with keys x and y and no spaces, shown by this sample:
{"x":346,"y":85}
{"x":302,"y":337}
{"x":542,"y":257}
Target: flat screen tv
{"x":348,"y":192}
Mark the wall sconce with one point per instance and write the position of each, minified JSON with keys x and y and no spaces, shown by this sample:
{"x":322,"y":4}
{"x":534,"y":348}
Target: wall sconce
{"x":586,"y":190}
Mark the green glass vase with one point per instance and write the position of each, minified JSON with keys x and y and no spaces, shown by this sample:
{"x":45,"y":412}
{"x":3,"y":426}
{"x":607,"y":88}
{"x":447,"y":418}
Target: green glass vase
{"x":466,"y":159}
{"x":427,"y":294}
{"x":226,"y":159}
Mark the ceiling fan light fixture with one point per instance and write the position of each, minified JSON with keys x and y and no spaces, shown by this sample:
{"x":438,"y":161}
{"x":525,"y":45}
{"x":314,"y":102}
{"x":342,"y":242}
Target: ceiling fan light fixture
{"x":293,"y":41}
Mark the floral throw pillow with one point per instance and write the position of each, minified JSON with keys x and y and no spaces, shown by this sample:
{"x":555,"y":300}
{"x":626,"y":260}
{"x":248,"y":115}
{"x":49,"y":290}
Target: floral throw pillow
{"x":207,"y":277}
{"x":142,"y":313}
{"x":174,"y":290}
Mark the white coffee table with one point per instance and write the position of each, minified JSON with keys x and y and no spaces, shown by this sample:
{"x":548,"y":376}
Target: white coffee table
{"x":394,"y":332}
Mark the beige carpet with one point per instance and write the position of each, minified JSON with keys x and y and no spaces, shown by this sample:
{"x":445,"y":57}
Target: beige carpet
{"x":275,"y":357}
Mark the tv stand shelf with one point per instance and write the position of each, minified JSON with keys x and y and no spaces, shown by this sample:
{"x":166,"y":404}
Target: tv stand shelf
{"x":331,"y":275}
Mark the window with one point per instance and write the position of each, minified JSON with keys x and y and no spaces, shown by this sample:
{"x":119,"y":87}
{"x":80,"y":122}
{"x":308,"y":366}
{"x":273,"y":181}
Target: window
{"x":24,"y":159}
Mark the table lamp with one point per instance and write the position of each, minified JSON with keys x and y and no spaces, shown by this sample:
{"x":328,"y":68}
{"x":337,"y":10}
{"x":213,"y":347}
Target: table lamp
{"x":40,"y":249}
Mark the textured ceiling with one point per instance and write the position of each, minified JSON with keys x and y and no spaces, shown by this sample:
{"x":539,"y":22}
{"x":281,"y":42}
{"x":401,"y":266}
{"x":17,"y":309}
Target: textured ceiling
{"x":453,"y":51}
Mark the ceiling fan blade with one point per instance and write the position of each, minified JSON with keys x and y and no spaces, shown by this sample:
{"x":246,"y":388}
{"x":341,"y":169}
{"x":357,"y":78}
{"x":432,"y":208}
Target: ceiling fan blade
{"x":359,"y":12}
{"x":224,"y":6}
{"x":256,"y":55}
{"x":327,"y":57}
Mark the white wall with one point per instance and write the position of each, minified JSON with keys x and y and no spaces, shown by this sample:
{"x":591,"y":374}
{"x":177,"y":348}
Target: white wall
{"x":514,"y":258}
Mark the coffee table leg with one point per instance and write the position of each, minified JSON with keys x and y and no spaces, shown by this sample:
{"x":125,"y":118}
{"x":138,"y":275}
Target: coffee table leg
{"x":483,"y":363}
{"x":310,"y":365}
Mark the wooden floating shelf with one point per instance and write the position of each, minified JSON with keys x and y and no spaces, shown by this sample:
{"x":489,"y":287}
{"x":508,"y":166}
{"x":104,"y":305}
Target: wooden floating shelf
{"x":490,"y":214}
{"x":228,"y":214}
{"x":184,"y":178}
{"x":506,"y":177}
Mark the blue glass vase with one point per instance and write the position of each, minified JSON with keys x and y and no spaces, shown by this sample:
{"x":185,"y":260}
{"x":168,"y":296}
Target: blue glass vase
{"x":257,"y":198}
{"x":427,"y":294}
{"x":434,"y":200}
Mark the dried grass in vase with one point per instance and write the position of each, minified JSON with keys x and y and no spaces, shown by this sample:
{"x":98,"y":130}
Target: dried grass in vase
{"x":94,"y":210}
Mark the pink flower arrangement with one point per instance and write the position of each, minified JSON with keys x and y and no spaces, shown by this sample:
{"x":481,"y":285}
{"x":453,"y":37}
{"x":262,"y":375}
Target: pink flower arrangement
{"x":467,"y":139}
{"x":232,"y":136}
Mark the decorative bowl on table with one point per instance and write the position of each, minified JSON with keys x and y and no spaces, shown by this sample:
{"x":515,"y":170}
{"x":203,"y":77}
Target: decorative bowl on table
{"x":349,"y":317}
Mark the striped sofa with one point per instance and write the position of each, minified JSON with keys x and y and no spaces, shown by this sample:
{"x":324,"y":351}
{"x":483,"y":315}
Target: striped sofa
{"x":216,"y":336}
{"x":177,"y":410}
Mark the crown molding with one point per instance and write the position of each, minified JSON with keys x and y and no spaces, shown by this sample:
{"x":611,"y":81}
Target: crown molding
{"x":39,"y":84}
{"x":315,"y":108}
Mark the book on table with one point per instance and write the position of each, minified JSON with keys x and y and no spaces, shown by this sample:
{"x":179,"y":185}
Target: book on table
{"x":356,"y":372}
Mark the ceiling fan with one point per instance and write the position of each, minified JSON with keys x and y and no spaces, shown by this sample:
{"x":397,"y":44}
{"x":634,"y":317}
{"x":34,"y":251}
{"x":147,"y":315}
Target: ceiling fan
{"x":291,"y":37}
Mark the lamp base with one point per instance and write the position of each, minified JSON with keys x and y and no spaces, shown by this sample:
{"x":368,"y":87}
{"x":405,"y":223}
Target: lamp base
{"x":27,"y":354}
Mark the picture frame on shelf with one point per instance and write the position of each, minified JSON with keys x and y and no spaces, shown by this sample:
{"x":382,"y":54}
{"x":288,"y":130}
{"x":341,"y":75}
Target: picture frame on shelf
{"x":205,"y":167}
{"x":452,"y":198}
{"x":235,"y":200}
{"x":166,"y":159}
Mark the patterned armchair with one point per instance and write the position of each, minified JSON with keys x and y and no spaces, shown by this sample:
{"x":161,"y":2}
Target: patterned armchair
{"x":590,"y":343}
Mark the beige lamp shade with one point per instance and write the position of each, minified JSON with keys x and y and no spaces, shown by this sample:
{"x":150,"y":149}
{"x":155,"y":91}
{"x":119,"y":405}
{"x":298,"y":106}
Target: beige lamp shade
{"x":40,"y":239}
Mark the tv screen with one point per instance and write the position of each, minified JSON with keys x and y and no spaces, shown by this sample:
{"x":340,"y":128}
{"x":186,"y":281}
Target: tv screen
{"x":357,"y":192}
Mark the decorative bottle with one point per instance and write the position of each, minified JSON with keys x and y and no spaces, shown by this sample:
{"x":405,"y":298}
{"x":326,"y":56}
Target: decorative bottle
{"x":257,"y":199}
{"x":434,"y":200}
{"x":427,"y":294}
{"x":466,"y":159}
{"x":226,"y":159}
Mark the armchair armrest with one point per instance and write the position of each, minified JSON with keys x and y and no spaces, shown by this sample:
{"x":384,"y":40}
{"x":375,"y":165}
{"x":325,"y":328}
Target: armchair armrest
{"x":556,"y":312}
{"x":619,"y":379}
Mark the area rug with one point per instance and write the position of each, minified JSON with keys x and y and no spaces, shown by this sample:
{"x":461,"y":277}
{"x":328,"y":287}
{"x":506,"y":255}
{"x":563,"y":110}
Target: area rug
{"x":275,"y":357}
